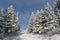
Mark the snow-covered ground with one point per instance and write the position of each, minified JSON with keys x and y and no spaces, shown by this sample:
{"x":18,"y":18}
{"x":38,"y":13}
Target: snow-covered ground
{"x":37,"y":37}
{"x":26,"y":36}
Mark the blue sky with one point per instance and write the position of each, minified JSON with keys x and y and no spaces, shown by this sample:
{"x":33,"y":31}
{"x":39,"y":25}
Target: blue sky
{"x":25,"y":7}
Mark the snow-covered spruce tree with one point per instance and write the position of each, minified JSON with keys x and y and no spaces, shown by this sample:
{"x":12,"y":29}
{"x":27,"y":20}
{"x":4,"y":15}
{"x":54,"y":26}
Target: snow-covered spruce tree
{"x":50,"y":22}
{"x":49,"y":12}
{"x":38,"y":22}
{"x":8,"y":23}
{"x":56,"y":25}
{"x":31,"y":23}
{"x":2,"y":23}
{"x":53,"y":24}
{"x":57,"y":9}
{"x":11,"y":20}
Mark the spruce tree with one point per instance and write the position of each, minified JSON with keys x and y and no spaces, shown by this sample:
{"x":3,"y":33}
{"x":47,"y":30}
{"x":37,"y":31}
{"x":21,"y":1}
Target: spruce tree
{"x":2,"y":23}
{"x":49,"y":12}
{"x":31,"y":22}
{"x":11,"y":20}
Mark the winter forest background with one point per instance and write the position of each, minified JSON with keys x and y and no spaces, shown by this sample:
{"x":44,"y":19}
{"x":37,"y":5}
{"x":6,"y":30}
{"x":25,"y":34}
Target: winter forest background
{"x":24,"y":8}
{"x":29,"y":19}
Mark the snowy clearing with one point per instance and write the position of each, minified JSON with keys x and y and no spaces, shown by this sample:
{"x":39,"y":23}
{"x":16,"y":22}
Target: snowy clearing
{"x":26,"y":36}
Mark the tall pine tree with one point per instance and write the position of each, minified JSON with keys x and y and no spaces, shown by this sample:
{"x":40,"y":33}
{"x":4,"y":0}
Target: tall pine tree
{"x":11,"y":20}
